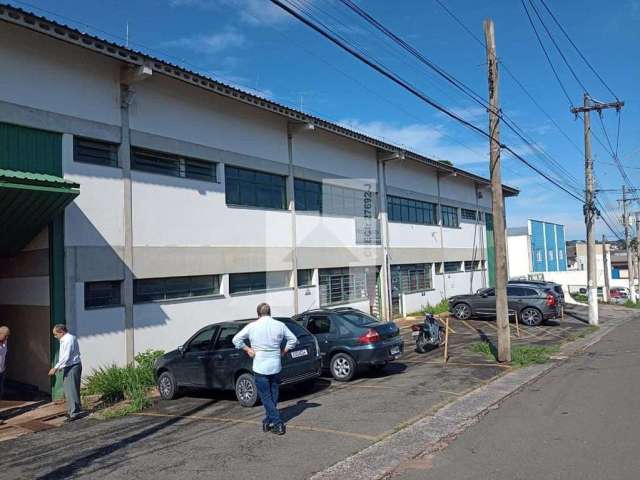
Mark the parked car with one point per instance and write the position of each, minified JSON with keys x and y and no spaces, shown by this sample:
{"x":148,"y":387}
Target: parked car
{"x":532,"y":303}
{"x":209,"y":360}
{"x":350,"y":338}
{"x":618,"y":295}
{"x":557,"y":288}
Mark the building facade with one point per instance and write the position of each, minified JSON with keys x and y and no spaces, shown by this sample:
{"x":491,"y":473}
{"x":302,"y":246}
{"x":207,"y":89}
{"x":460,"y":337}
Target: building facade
{"x":188,"y":202}
{"x":538,"y":247}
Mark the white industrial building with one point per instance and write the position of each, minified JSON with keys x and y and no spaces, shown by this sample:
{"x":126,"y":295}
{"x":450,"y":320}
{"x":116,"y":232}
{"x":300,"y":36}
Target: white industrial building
{"x":188,"y":202}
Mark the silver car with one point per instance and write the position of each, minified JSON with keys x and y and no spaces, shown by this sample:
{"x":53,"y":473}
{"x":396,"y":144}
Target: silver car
{"x":532,"y":303}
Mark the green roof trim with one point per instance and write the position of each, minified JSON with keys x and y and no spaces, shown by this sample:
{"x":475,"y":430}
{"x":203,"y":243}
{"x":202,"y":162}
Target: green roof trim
{"x":29,"y":202}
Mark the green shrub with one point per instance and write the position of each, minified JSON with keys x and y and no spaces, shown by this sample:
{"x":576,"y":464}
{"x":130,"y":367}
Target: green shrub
{"x":579,"y":297}
{"x":132,"y":382}
{"x":521,"y":355}
{"x":441,"y":307}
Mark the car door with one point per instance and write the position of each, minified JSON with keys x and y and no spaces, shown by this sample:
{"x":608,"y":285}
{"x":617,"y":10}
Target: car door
{"x":320,"y":326}
{"x":224,"y":358}
{"x":191,"y":370}
{"x":485,"y":304}
{"x":516,"y":298}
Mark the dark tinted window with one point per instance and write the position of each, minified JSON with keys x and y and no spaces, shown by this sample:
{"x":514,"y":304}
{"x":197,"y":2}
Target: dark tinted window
{"x":406,"y":210}
{"x":487,"y":291}
{"x":202,"y":341}
{"x":251,"y":188}
{"x":319,"y":324}
{"x":357,"y":318}
{"x":172,"y":165}
{"x":95,"y":151}
{"x":257,"y":281}
{"x":529,"y":292}
{"x":305,"y":277}
{"x":296,"y":329}
{"x":515,"y":292}
{"x":151,"y":289}
{"x":226,"y":336}
{"x":450,"y":216}
{"x":102,"y":294}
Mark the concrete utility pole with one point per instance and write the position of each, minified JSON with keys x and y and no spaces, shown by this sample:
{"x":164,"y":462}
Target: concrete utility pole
{"x":497,"y":203}
{"x":627,"y":243}
{"x":589,"y":202}
{"x":607,"y":270}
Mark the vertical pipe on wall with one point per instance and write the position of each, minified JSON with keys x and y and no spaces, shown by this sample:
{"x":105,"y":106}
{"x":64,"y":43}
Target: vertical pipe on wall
{"x":124,"y":156}
{"x":386,"y":310}
{"x":444,"y":277}
{"x":292,"y":210}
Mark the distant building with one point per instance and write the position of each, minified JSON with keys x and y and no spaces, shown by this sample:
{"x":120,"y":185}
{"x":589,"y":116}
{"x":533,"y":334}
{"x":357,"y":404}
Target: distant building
{"x":538,"y":247}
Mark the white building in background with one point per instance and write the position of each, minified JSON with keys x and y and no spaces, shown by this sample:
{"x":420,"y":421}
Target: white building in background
{"x":188,"y":202}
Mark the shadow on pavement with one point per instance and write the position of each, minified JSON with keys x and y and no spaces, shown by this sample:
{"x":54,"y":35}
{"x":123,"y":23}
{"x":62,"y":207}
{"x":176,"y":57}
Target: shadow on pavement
{"x":69,"y":470}
{"x":292,"y":411}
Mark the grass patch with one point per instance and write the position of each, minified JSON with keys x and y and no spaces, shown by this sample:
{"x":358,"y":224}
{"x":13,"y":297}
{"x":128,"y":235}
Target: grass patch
{"x":583,"y":333}
{"x":521,"y":355}
{"x":441,"y":307}
{"x":630,"y":304}
{"x":131,"y":383}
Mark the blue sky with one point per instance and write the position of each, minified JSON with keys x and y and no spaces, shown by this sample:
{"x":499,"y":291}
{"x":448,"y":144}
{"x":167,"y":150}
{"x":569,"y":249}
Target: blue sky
{"x":254,"y":45}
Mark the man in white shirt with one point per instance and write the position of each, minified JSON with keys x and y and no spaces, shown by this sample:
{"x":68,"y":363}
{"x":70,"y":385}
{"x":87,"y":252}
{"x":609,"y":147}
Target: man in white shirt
{"x":69,"y":363}
{"x":265,"y":336}
{"x":4,"y":336}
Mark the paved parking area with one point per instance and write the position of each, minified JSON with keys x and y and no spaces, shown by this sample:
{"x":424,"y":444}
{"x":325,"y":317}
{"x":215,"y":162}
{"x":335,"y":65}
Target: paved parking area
{"x":208,"y":433}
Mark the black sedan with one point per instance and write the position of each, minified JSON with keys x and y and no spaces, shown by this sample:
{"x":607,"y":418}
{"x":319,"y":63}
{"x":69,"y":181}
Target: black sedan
{"x":349,"y":338}
{"x":209,"y":360}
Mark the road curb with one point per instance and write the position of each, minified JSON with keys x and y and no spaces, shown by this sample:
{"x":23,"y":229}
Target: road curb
{"x":435,"y":432}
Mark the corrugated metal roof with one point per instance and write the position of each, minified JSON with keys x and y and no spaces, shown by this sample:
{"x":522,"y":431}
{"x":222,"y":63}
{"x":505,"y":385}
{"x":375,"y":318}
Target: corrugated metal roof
{"x":43,"y":25}
{"x":29,"y":202}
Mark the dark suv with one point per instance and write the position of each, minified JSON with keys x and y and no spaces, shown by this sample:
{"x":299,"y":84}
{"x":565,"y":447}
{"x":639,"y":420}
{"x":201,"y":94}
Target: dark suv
{"x":209,"y":360}
{"x":556,"y":287}
{"x":349,"y":338}
{"x":531,"y":302}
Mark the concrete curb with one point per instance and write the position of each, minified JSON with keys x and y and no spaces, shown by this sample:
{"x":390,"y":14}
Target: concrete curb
{"x":433,"y":433}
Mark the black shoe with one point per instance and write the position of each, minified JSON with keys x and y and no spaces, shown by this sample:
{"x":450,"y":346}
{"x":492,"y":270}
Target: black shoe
{"x":267,"y":427}
{"x":279,"y":429}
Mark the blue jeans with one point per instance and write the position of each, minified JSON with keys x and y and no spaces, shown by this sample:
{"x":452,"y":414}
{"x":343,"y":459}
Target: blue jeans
{"x":268,"y":387}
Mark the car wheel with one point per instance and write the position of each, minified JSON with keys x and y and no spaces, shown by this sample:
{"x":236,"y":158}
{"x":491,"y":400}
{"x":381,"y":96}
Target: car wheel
{"x":462,"y":311}
{"x":531,"y":316}
{"x":167,"y":386}
{"x":342,"y":367}
{"x":246,"y":390}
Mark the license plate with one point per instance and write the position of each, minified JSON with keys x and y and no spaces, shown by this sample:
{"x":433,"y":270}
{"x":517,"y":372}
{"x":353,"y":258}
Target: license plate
{"x":415,"y":334}
{"x":394,"y":350}
{"x":299,"y":353}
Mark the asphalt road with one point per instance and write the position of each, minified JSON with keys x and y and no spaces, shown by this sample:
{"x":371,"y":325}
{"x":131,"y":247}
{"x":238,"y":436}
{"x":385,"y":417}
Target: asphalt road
{"x":209,"y":434}
{"x":580,"y":421}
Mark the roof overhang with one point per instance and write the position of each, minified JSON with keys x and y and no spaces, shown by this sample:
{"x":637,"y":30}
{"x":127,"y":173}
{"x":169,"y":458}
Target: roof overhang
{"x":153,"y":65}
{"x":29,"y":202}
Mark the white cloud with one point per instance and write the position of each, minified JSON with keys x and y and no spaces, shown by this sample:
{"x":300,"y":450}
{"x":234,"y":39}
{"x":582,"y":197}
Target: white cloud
{"x":209,"y":43}
{"x":251,"y":12}
{"x":428,"y":140}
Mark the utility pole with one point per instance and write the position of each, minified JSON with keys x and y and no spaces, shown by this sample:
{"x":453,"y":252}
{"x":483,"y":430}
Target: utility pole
{"x":636,"y":248}
{"x":589,"y":202}
{"x":607,"y":270}
{"x":627,"y":243}
{"x":497,"y":201}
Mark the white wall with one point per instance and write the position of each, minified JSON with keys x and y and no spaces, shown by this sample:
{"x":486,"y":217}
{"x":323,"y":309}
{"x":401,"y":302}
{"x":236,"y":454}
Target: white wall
{"x":169,"y":211}
{"x":173,"y":109}
{"x":518,"y":255}
{"x":407,"y":236}
{"x":165,"y":325}
{"x":47,"y":74}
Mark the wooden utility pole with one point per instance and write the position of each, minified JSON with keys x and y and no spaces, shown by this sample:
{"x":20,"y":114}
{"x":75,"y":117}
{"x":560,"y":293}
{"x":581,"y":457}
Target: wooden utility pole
{"x":497,"y":201}
{"x":627,"y":243}
{"x":589,"y":202}
{"x":607,"y":270}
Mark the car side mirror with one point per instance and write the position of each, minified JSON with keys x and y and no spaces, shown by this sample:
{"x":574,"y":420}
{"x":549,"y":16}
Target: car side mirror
{"x":182,"y":349}
{"x":484,"y":295}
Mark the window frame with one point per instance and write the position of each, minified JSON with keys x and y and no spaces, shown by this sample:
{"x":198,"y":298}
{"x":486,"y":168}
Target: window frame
{"x":237,"y":177}
{"x":263,"y":278}
{"x":111,"y":147}
{"x":410,"y":211}
{"x":163,"y":291}
{"x":116,"y":284}
{"x":182,"y":165}
{"x":343,"y":285}
{"x":302,"y":284}
{"x":334,"y":200}
{"x":444,"y":267}
{"x":469,"y":214}
{"x":405,"y":275}
{"x":450,"y":216}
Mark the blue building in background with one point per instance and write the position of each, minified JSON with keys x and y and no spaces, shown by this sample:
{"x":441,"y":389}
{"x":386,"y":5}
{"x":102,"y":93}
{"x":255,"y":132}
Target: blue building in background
{"x":548,"y":248}
{"x":538,"y":247}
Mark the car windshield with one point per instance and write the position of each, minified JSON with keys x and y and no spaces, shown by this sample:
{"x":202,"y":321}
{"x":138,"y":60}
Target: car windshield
{"x":358,"y":318}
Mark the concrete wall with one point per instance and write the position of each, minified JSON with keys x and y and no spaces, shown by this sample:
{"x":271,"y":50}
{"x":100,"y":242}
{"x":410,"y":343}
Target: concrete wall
{"x":24,"y":308}
{"x":518,"y":251}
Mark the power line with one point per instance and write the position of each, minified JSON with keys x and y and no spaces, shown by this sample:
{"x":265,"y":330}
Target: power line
{"x":577,"y":49}
{"x":412,"y":89}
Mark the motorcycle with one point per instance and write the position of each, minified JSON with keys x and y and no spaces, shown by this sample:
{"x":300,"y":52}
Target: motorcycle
{"x":428,"y":334}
